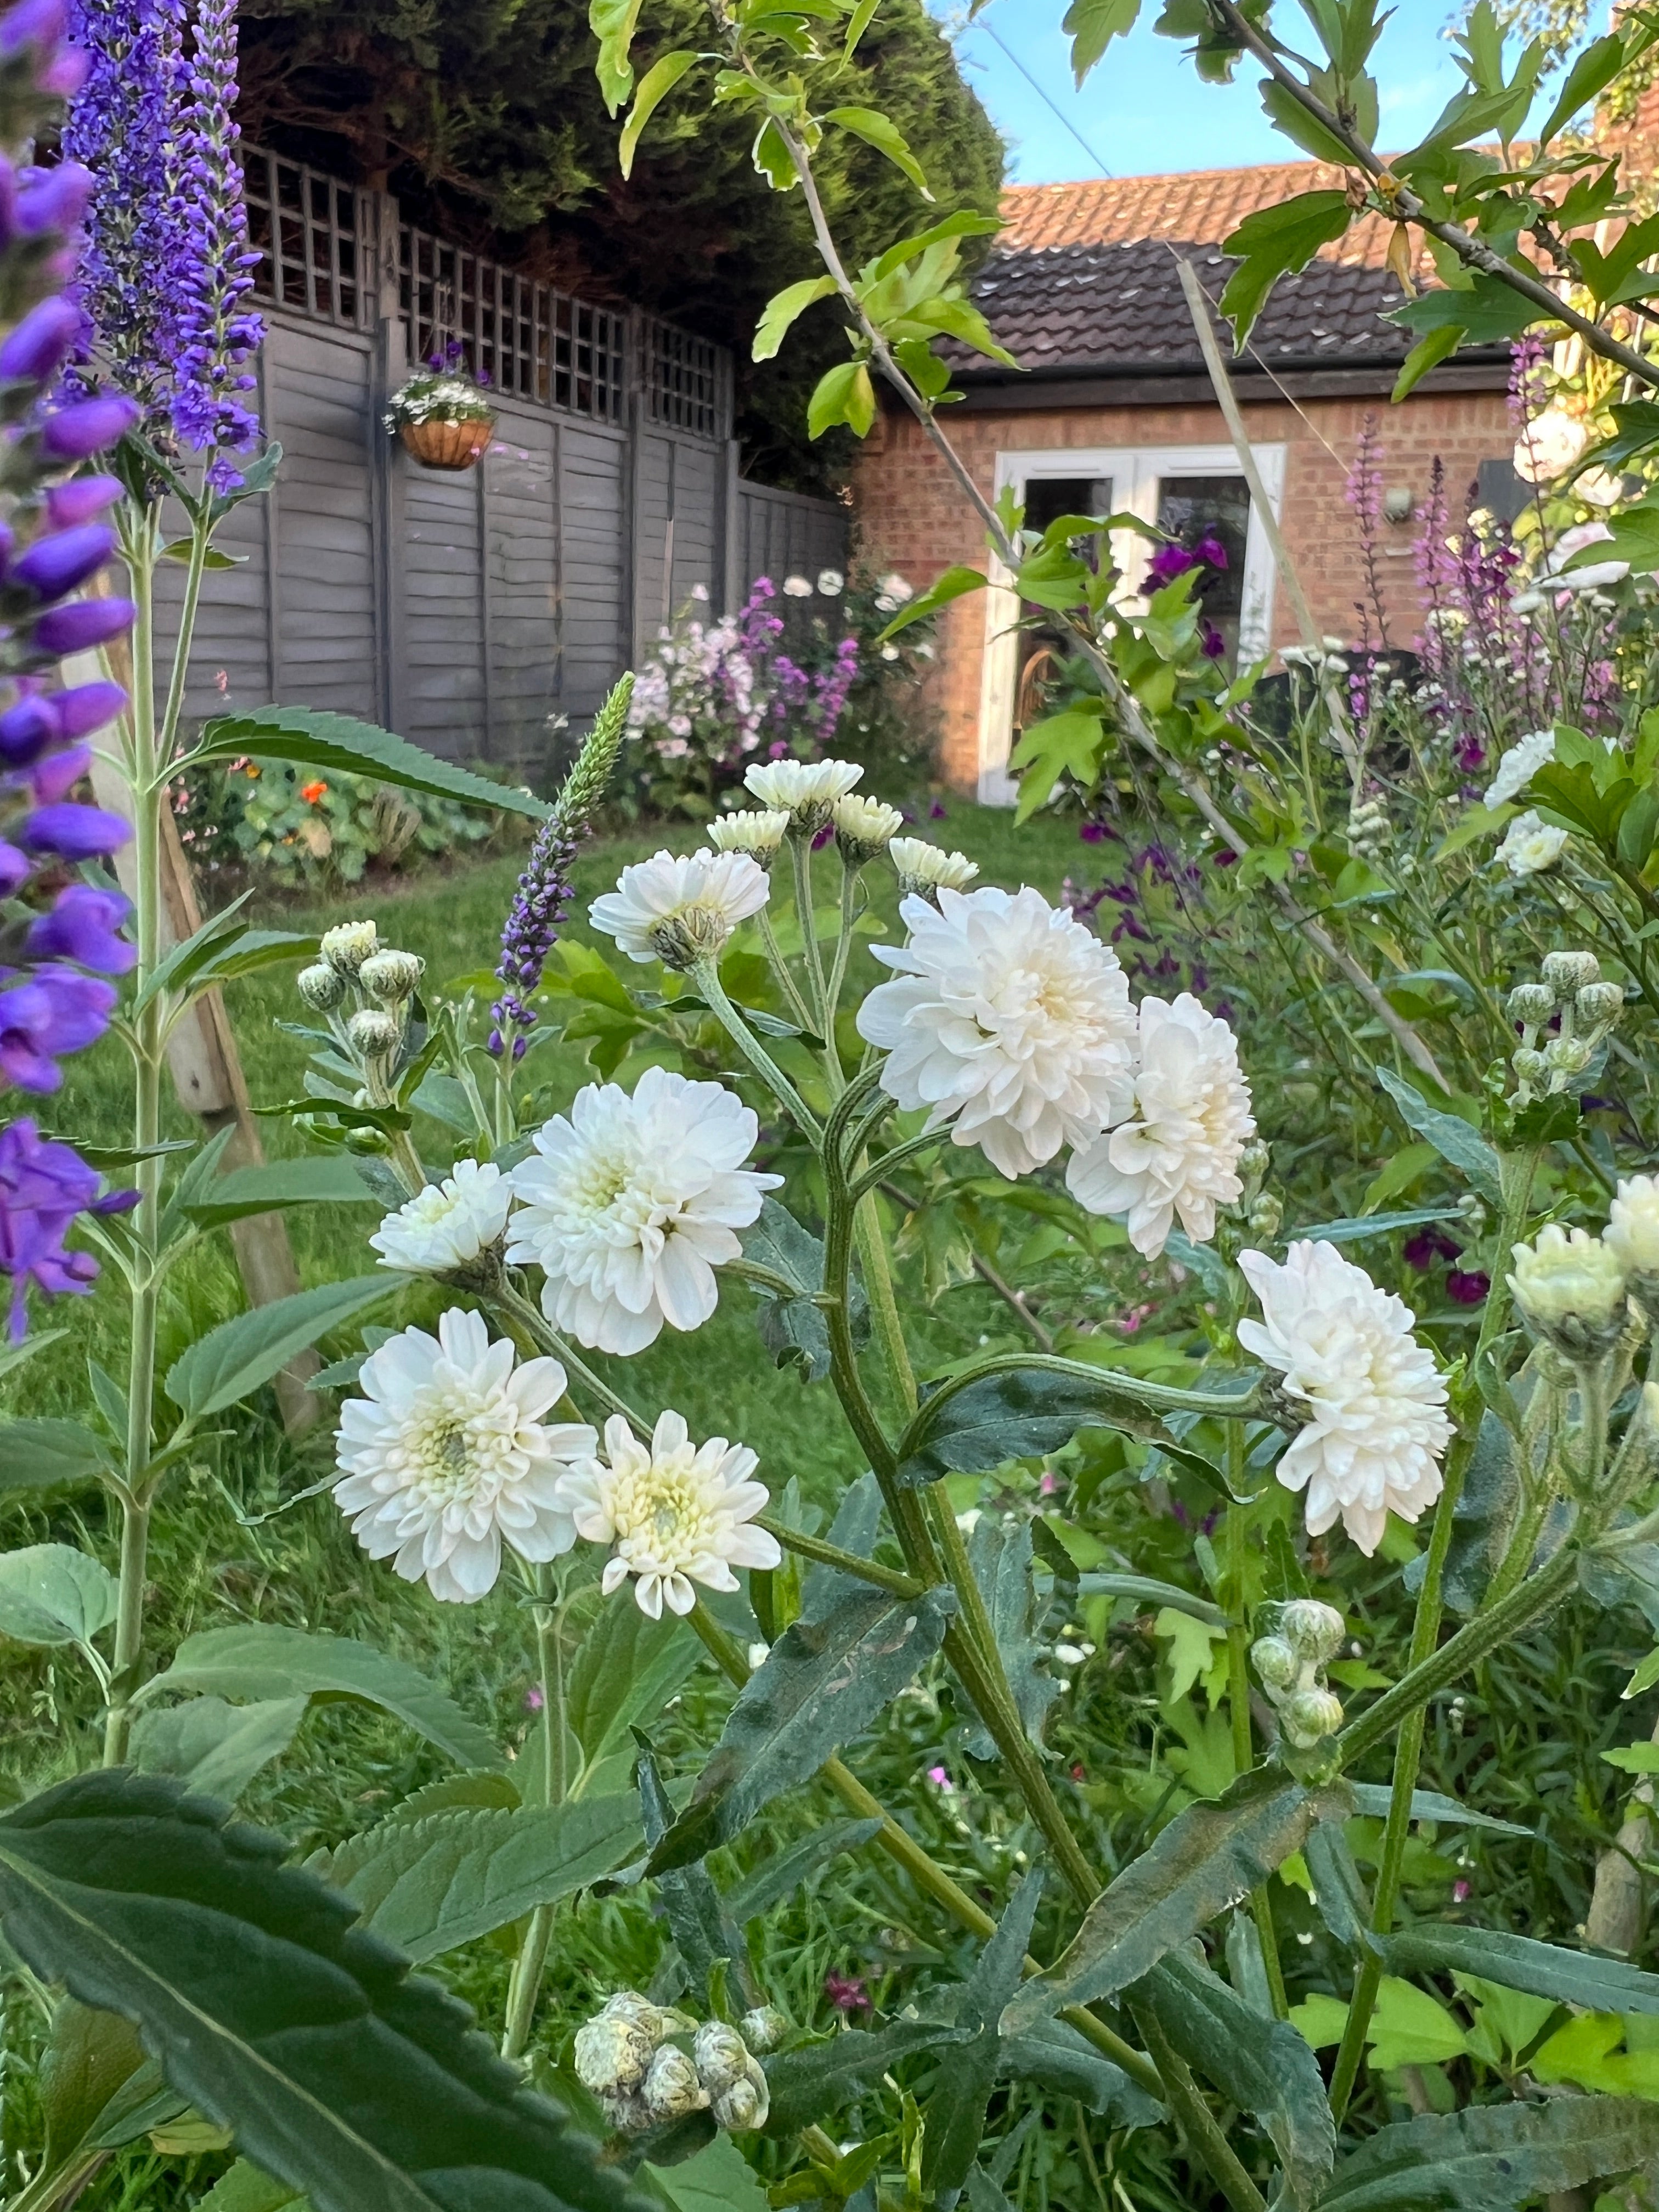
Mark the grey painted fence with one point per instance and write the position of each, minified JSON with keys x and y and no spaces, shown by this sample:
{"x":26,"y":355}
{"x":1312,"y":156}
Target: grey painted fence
{"x":466,"y":611}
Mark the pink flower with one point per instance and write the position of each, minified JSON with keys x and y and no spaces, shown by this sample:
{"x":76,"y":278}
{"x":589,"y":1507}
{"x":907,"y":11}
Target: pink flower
{"x":940,"y":1779}
{"x":846,"y":1993}
{"x":1460,"y":1893}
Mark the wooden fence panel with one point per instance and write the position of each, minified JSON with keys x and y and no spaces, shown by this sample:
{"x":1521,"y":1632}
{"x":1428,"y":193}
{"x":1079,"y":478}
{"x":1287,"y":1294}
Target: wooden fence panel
{"x":786,"y":533}
{"x":595,"y":581}
{"x":521,"y":551}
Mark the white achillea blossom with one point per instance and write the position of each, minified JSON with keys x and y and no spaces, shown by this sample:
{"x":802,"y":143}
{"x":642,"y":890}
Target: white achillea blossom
{"x":1632,"y":1229}
{"x":1531,"y":845}
{"x":1009,"y":1020}
{"x":924,"y":867}
{"x":756,"y":830}
{"x":1177,"y":1155}
{"x":629,"y":1205}
{"x":1519,"y":765}
{"x":445,"y":1457}
{"x":805,"y":790}
{"x":1549,"y":445}
{"x":1376,"y":1424}
{"x":675,"y":907}
{"x":675,"y":1512}
{"x":449,"y":1224}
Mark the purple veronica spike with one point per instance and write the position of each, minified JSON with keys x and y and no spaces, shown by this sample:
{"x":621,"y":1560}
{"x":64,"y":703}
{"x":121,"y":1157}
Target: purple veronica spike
{"x":43,"y":1186}
{"x":75,"y":433}
{"x":41,"y":340}
{"x":60,"y":559}
{"x":538,"y":907}
{"x":80,"y":499}
{"x":56,"y":778}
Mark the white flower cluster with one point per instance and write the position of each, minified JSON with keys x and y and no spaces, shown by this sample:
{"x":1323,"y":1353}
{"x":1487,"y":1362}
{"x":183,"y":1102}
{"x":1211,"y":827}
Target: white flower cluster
{"x":1519,"y":765}
{"x":649,"y":2066}
{"x":1010,"y":1024}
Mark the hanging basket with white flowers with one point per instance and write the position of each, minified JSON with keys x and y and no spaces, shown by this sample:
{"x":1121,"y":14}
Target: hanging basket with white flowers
{"x":442,"y":415}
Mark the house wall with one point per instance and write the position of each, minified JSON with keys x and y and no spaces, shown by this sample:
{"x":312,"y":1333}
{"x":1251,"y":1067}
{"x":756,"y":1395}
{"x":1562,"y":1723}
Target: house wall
{"x":912,"y":517}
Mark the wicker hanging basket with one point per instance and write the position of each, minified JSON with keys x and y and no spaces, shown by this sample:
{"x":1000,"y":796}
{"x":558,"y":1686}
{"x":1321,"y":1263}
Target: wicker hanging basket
{"x":438,"y":444}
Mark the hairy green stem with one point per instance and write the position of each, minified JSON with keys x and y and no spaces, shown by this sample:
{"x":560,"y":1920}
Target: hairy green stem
{"x":705,"y":973}
{"x":797,"y":1006}
{"x":800,"y":863}
{"x":1197,"y":2122}
{"x":1238,"y":1706}
{"x":846,"y":1563}
{"x":535,"y":1325}
{"x":849,"y":877}
{"x":525,"y":1986}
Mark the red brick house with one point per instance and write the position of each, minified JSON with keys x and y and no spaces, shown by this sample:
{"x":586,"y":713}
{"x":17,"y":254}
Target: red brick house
{"x":1112,"y":410}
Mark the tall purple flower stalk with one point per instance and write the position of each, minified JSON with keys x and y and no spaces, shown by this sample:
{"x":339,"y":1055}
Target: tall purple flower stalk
{"x":539,"y":905}
{"x":165,"y":267}
{"x":60,"y":937}
{"x":1364,"y":496}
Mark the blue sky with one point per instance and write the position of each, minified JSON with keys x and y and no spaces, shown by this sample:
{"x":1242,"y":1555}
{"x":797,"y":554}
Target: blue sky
{"x":1144,"y":110}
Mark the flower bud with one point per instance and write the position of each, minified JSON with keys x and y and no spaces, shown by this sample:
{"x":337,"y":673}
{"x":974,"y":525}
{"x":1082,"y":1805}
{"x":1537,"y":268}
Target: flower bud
{"x":1309,"y":1716}
{"x":321,"y":987}
{"x":82,"y":624}
{"x":722,"y":2056}
{"x":745,"y":2104}
{"x":371,"y":1033}
{"x":77,"y":433}
{"x":1599,"y":1005}
{"x":696,"y":932}
{"x":864,"y":827}
{"x":923,"y":868}
{"x":613,"y":2055}
{"x":1315,"y":1632}
{"x":1531,"y":1067}
{"x":672,"y":2087}
{"x":764,"y":2028}
{"x":391,"y":976}
{"x":58,"y":562}
{"x":1568,"y":972}
{"x":1265,"y":1216}
{"x":348,"y":945}
{"x":1632,"y":1230}
{"x":758,"y":831}
{"x":41,"y":340}
{"x":1275,"y":1662}
{"x":1570,"y":1287}
{"x":1567,"y":1056}
{"x":1531,"y":1004}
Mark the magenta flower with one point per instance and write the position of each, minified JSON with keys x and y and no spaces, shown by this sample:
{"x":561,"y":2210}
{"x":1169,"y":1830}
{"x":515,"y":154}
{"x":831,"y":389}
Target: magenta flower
{"x":1169,"y":562}
{"x":846,"y":1993}
{"x":1468,"y":1287}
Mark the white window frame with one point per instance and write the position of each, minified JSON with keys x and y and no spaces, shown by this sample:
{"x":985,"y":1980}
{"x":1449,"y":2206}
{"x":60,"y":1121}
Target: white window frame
{"x":1135,"y":472}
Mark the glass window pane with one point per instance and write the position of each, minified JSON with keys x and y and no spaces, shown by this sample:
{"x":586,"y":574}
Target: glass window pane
{"x":1043,"y":647}
{"x":1196,"y":510}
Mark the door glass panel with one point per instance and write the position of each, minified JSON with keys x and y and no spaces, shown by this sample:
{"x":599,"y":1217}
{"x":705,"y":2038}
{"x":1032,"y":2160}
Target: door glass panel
{"x":1214,"y":513}
{"x":1043,"y":647}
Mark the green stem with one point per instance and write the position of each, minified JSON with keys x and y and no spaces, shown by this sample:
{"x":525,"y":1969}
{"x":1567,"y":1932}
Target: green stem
{"x":838,"y":976}
{"x":846,"y":1563}
{"x":800,"y":862}
{"x":200,"y":534}
{"x":883,"y":1305}
{"x":528,"y":1968}
{"x":535,"y":1325}
{"x":782,"y":969}
{"x":1238,"y":1705}
{"x":1198,"y":2123}
{"x":146,"y":786}
{"x":706,"y":975}
{"x":929,"y":1876}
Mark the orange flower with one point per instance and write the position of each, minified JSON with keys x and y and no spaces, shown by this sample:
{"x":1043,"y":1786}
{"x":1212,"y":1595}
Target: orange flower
{"x":311,"y":793}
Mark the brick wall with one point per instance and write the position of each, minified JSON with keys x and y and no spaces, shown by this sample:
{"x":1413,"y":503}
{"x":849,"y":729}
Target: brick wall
{"x":913,"y":517}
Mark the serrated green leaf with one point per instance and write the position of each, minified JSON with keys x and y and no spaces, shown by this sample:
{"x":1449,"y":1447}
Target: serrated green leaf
{"x":241,"y":1355}
{"x":1261,"y":2065}
{"x":313,"y":738}
{"x":954,"y":583}
{"x":1494,"y":2158}
{"x":1208,"y":1856}
{"x":793,"y":1329}
{"x":821,"y":1685}
{"x":1291,"y":121}
{"x":1459,"y":1145}
{"x":819,"y":2078}
{"x":625,"y":1670}
{"x":272,"y":2013}
{"x":49,"y":1454}
{"x":716,"y":2179}
{"x":1063,"y":2063}
{"x":1274,"y":242}
{"x":1372,"y":1799}
{"x":1021,"y":1411}
{"x":775,"y":1879}
{"x":52,"y":1594}
{"x":1091,"y":25}
{"x":855,"y":1528}
{"x":1001,"y":1557}
{"x":1519,"y":1962}
{"x":429,"y":1886}
{"x":954,"y":2115}
{"x":98,"y":2091}
{"x":214,"y":1749}
{"x":260,"y":1659}
{"x":700,"y":1928}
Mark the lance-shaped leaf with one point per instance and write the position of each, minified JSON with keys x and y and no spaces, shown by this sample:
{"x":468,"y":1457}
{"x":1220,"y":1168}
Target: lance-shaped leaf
{"x":1207,"y":1859}
{"x":1459,"y":1145}
{"x":260,"y":1660}
{"x":1064,"y":2063}
{"x":782,"y":309}
{"x":822,"y":1683}
{"x":793,"y":1329}
{"x":312,"y":737}
{"x":940,"y":594}
{"x":1492,"y":2158}
{"x":214,"y":1749}
{"x":333,"y":1180}
{"x":274,"y":2013}
{"x":699,"y":1925}
{"x":427,"y":1885}
{"x":1272,"y":243}
{"x":774,"y":1878}
{"x":855,"y":1527}
{"x":955,"y":2113}
{"x":807,"y":2084}
{"x":98,"y":2091}
{"x":1262,"y":2065}
{"x":1372,"y":1799}
{"x":1001,"y":1561}
{"x":716,"y":2179}
{"x":1521,"y":1962}
{"x":241,"y":1355}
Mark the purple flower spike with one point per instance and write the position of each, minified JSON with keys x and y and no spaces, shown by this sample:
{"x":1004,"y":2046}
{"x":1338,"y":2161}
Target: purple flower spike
{"x":532,"y":924}
{"x":55,"y":777}
{"x":85,"y":623}
{"x":57,"y":1011}
{"x":14,"y":869}
{"x":52,"y":200}
{"x":56,"y":563}
{"x":81,"y":500}
{"x":74,"y":833}
{"x":43,"y":1186}
{"x":41,"y":341}
{"x":82,"y":927}
{"x":87,"y":707}
{"x":78,"y":433}
{"x":25,"y":731}
{"x":41,"y":24}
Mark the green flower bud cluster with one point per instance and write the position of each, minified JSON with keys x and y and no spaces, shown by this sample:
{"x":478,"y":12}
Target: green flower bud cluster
{"x":365,"y":989}
{"x":1302,"y":1638}
{"x":1571,"y":988}
{"x":1370,"y":831}
{"x":649,"y":2065}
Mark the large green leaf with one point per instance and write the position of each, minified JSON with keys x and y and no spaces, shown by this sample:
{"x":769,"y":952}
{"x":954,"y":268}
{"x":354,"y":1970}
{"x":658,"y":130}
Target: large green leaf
{"x":807,"y":2084}
{"x":247,"y":2188}
{"x":274,"y":2015}
{"x":1463,"y":1147}
{"x":52,"y":1594}
{"x":234,"y":1360}
{"x":312,"y":737}
{"x":1091,"y":25}
{"x":1064,"y":2063}
{"x":214,"y":1749}
{"x":49,"y":1454}
{"x":822,"y":1683}
{"x":955,"y":2112}
{"x":793,"y":1329}
{"x":1261,"y":2065}
{"x":855,"y":1528}
{"x":1492,"y":2158}
{"x":1019,"y":1412}
{"x":329,"y":1179}
{"x":260,"y":1660}
{"x":717,"y":2179}
{"x":1208,"y":1856}
{"x":1519,"y":1962}
{"x":97,"y":2089}
{"x":696,"y":1918}
{"x":428,"y":1885}
{"x":780,"y":1872}
{"x":1272,"y":242}
{"x":625,"y":1670}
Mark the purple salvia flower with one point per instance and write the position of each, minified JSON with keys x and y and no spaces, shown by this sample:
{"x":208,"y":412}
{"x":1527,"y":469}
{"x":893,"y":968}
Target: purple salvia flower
{"x":539,"y":905}
{"x":44,"y":1016}
{"x":43,"y":1187}
{"x":83,"y":927}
